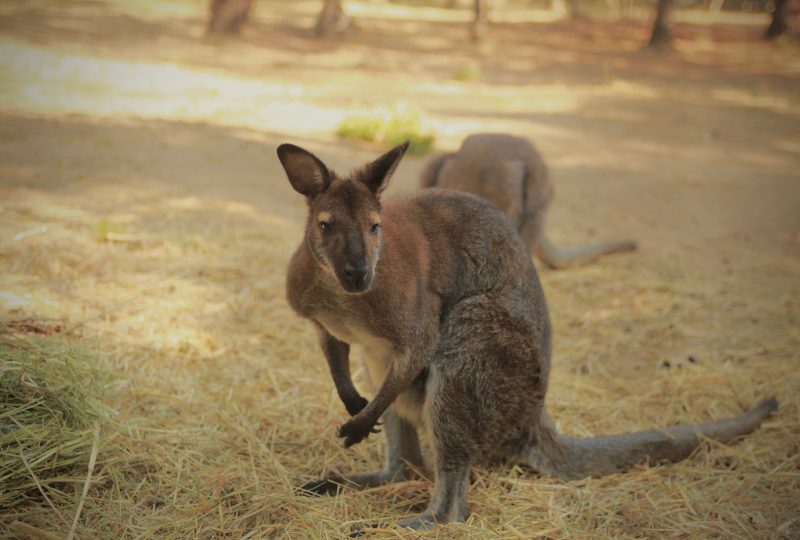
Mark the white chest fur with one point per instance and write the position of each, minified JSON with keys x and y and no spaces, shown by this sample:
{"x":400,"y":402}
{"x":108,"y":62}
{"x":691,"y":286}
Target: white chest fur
{"x":377,"y":352}
{"x":378,"y":355}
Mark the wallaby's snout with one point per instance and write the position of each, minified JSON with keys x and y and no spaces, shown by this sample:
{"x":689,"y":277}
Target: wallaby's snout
{"x":358,"y":277}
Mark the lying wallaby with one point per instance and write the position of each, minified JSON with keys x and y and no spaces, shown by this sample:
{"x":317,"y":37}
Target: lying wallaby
{"x":439,"y":290}
{"x":508,"y":172}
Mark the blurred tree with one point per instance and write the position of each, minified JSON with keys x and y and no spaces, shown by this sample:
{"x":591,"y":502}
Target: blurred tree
{"x":479,"y":22}
{"x":332,"y":19}
{"x":780,"y":19}
{"x":661,"y":37}
{"x":570,"y":7}
{"x":227,"y":16}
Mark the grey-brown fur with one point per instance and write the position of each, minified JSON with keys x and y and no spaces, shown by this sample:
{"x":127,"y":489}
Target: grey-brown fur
{"x":455,"y":331}
{"x":509,"y":172}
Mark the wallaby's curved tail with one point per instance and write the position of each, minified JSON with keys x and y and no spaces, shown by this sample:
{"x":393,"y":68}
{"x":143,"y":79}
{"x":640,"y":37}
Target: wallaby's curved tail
{"x":558,"y":258}
{"x":572,"y":459}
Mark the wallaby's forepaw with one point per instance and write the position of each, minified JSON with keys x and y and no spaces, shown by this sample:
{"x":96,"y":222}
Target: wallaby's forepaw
{"x":356,"y":430}
{"x":331,"y":485}
{"x":355,"y":405}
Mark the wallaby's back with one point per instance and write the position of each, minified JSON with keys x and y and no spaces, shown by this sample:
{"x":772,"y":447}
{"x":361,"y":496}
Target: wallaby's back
{"x":509,"y":172}
{"x":503,"y":169}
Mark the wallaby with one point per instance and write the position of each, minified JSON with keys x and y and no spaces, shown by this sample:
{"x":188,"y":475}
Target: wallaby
{"x":441,"y":293}
{"x":509,"y":172}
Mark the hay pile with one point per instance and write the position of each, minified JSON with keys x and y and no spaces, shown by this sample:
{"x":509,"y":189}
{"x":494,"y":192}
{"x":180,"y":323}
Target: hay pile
{"x":50,"y":398}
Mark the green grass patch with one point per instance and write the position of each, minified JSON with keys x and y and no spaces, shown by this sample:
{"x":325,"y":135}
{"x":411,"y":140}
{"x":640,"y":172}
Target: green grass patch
{"x":389,"y":127}
{"x":467,"y":74}
{"x":106,"y":230}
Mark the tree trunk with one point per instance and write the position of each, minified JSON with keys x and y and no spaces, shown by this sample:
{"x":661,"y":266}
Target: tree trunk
{"x":332,"y":19}
{"x":661,"y":38}
{"x":573,"y":11}
{"x":479,"y":23}
{"x":780,"y":20}
{"x":227,"y":16}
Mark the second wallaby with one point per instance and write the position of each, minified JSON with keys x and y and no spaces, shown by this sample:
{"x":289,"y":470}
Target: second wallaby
{"x":509,"y":172}
{"x":442,"y":295}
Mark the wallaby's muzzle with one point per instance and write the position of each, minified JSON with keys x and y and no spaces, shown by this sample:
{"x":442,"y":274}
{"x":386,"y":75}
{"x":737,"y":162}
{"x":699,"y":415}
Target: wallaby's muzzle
{"x":358,"y":277}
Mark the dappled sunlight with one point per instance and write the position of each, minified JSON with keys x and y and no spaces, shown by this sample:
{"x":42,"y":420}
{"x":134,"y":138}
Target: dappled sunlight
{"x":245,"y":210}
{"x":47,"y":82}
{"x":153,"y":288}
{"x":54,"y":83}
{"x":438,"y":14}
{"x":776,"y":104}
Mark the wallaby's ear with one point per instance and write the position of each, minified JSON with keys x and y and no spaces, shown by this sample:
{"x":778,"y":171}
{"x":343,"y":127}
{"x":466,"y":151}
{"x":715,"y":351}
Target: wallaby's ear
{"x":376,"y":174}
{"x":307,"y":174}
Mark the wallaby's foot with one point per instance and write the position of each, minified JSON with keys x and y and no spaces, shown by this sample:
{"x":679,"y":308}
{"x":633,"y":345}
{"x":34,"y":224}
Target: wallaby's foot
{"x":448,"y":503}
{"x":423,"y":522}
{"x":335,"y":484}
{"x":332,"y":485}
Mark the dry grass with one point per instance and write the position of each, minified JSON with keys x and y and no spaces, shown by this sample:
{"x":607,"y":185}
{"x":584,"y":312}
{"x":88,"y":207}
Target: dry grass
{"x":214,"y":401}
{"x":144,"y":239}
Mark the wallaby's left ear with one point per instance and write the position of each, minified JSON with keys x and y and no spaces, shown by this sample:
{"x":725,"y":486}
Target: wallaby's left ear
{"x":376,"y":174}
{"x":307,"y":174}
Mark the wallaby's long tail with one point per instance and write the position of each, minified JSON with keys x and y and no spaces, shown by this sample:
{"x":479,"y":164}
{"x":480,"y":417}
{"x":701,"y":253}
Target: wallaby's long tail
{"x":571,"y":459}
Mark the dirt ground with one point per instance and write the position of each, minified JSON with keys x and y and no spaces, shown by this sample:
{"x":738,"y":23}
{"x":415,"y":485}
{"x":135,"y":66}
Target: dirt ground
{"x":142,"y":204}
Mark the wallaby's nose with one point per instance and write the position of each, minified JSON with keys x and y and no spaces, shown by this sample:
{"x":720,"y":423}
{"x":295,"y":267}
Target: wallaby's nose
{"x":356,"y":274}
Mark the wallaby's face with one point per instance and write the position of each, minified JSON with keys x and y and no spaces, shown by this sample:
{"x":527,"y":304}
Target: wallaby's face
{"x":344,"y":233}
{"x":344,"y":224}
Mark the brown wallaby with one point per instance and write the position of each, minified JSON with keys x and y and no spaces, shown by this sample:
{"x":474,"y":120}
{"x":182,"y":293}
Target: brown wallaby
{"x":439,"y":290}
{"x":509,"y":172}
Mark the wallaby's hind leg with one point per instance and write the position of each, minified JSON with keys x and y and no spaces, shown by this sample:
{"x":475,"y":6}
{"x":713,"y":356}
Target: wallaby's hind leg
{"x":559,"y":258}
{"x":402,"y":450}
{"x":454,"y":449}
{"x":485,"y":355}
{"x":448,"y":502}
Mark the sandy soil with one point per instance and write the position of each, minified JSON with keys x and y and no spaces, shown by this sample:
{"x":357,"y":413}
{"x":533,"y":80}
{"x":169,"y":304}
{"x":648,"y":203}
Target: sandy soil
{"x":125,"y":123}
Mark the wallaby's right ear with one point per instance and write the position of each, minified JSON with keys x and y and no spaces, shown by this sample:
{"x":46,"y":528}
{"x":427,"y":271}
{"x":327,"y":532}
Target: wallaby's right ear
{"x":307,"y":174}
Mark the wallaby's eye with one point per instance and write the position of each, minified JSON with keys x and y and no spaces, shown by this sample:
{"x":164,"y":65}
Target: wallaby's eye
{"x":324,"y":227}
{"x":375,"y":228}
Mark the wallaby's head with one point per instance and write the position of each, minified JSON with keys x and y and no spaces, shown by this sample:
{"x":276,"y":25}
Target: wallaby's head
{"x":344,"y":222}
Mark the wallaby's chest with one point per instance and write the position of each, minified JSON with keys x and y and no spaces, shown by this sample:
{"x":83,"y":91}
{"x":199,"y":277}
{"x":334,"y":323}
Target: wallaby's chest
{"x":378,"y":354}
{"x":349,"y":329}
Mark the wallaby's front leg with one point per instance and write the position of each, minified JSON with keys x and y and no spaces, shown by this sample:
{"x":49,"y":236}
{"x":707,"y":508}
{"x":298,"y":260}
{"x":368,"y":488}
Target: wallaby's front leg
{"x":402,"y":372}
{"x":337,"y":353}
